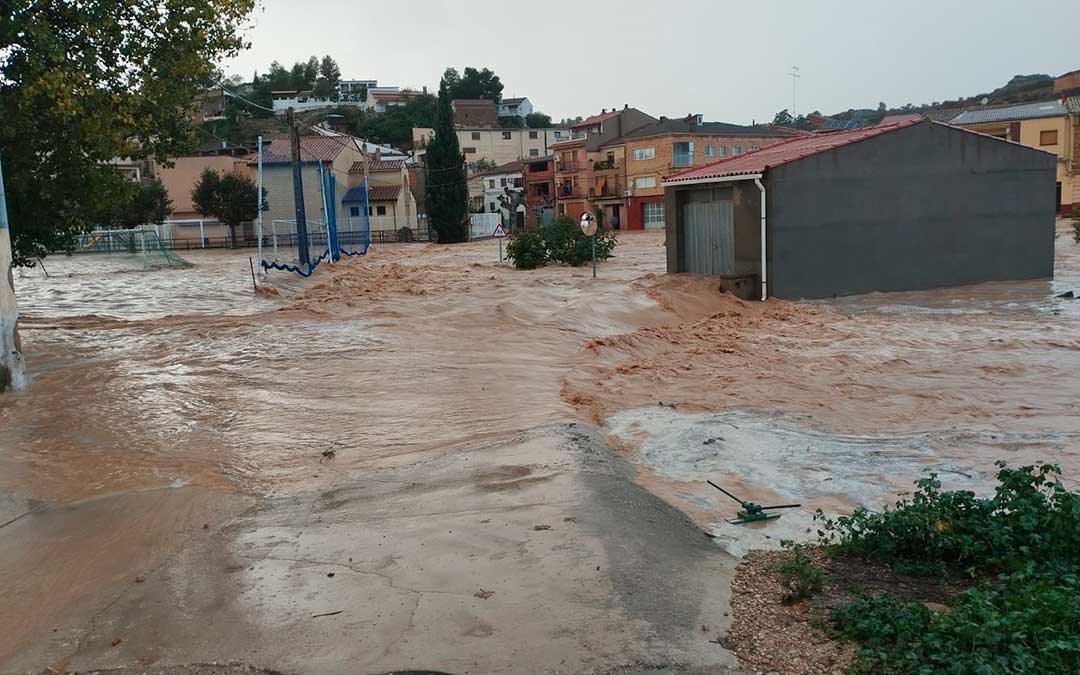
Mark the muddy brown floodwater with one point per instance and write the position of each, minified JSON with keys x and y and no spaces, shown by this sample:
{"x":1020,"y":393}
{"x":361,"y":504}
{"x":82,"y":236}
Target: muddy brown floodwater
{"x":143,"y":380}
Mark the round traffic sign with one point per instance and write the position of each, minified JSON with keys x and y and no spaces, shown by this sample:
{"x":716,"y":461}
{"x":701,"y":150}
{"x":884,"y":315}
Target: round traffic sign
{"x":588,"y":224}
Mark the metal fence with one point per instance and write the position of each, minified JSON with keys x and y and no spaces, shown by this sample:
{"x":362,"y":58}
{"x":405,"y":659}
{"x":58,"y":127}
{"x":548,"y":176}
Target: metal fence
{"x":483,"y":225}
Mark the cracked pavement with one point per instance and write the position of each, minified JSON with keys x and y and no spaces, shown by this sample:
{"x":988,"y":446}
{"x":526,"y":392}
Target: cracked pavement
{"x":435,"y":566}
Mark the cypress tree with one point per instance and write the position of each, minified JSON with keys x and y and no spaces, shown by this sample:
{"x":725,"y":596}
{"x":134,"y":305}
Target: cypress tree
{"x":447,"y":190}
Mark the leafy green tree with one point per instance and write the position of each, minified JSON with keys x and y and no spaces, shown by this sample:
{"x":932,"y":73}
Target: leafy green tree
{"x":134,"y":205}
{"x":783,"y":119}
{"x":86,"y":82}
{"x":538,"y":120}
{"x":329,"y":77}
{"x":447,"y":192}
{"x":473,"y":83}
{"x":228,"y":197}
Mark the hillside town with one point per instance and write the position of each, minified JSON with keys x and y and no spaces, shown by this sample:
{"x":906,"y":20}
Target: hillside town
{"x":564,"y":362}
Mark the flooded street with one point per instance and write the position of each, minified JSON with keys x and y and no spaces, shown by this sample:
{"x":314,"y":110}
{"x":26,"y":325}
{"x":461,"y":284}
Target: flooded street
{"x":178,"y":420}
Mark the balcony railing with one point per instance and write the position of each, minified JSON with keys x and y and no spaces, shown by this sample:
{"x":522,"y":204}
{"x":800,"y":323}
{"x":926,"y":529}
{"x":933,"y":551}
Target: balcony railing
{"x":568,"y":191}
{"x":608,"y":165}
{"x":568,"y":167}
{"x":605,"y":188}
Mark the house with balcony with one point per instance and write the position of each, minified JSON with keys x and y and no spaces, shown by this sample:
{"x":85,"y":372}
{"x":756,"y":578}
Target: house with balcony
{"x":634,"y":195}
{"x":585,"y":171}
{"x":538,"y":184}
{"x":515,"y":107}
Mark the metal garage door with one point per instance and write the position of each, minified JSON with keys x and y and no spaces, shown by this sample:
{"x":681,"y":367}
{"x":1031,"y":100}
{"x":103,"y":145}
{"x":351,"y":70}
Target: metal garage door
{"x":709,"y":229}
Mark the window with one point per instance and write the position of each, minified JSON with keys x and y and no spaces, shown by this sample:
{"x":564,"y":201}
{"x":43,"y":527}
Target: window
{"x":517,"y":182}
{"x":710,"y":151}
{"x":491,"y":207}
{"x":654,"y":213}
{"x":534,"y":152}
{"x":380,"y":210}
{"x":371,"y":210}
{"x":1048,"y":137}
{"x":755,"y":147}
{"x":562,"y":209}
{"x":502,"y":182}
{"x":532,"y":134}
{"x":644,"y":153}
{"x":476,"y":135}
{"x":354,"y":211}
{"x":469,"y":151}
{"x":645,"y":182}
{"x":736,"y":150}
{"x":507,"y":135}
{"x":683,"y":154}
{"x":491,"y":183}
{"x":723,"y":151}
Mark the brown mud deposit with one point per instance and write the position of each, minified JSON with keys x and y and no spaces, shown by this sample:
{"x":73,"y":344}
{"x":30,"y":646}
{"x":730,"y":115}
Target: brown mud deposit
{"x":188,"y":389}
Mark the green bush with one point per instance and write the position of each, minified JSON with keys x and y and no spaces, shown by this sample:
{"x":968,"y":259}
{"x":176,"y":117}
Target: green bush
{"x":1024,"y":623}
{"x":799,"y":575}
{"x":1030,"y":518}
{"x":560,"y":242}
{"x":527,"y":250}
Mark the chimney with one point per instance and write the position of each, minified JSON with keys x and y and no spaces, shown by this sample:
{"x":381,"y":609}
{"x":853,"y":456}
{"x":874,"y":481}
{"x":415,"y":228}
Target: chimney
{"x":603,"y":111}
{"x":625,"y":106}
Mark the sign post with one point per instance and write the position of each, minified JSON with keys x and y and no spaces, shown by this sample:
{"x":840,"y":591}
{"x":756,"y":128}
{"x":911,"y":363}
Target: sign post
{"x":588,"y":226}
{"x":500,"y":234}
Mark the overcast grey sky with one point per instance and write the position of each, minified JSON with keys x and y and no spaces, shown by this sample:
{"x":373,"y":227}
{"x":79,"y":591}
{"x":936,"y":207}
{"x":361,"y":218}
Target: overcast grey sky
{"x":727,"y":60}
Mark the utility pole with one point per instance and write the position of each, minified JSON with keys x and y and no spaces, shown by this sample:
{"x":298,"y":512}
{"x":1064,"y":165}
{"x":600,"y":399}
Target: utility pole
{"x":794,"y":76}
{"x":11,"y":363}
{"x":298,"y":192}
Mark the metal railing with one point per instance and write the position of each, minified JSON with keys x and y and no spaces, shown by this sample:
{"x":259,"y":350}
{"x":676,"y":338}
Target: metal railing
{"x":611,"y":186}
{"x":567,"y":167}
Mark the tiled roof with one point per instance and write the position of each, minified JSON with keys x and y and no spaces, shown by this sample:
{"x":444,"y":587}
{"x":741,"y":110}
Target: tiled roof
{"x":1012,"y":113}
{"x":378,"y":193}
{"x":783,"y":152}
{"x":1073,"y":105}
{"x":595,"y":119}
{"x":568,"y":143}
{"x":684,"y":126}
{"x":312,"y":149}
{"x":513,"y":101}
{"x":394,"y":95}
{"x":394,"y":165}
{"x":896,"y":119}
{"x":472,"y":102}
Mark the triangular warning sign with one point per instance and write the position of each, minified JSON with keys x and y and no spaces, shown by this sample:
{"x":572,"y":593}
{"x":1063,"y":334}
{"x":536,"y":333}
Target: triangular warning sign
{"x":499,"y":232}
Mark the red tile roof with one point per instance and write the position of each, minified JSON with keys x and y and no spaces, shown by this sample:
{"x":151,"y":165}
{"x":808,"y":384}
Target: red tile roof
{"x":783,"y":152}
{"x":596,"y":119}
{"x":312,"y":149}
{"x":394,"y":165}
{"x":384,"y":193}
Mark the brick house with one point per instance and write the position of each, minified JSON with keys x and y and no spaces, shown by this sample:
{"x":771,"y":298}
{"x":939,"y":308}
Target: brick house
{"x":584,"y":170}
{"x":639,"y":160}
{"x":479,"y":113}
{"x":538,"y":182}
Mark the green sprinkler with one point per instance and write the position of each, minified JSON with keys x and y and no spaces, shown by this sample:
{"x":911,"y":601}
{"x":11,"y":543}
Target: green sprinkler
{"x":751,"y":512}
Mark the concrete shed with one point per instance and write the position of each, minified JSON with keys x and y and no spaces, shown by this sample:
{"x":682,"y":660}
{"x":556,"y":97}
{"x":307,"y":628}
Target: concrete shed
{"x":901,"y":206}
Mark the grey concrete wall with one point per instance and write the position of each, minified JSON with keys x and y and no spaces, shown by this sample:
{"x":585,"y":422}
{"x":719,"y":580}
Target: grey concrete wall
{"x":924,"y":206}
{"x":747,"y":206}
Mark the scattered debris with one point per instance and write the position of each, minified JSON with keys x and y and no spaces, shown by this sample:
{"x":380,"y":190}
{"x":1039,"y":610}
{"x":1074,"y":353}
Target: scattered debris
{"x":330,"y":574}
{"x":484,"y":595}
{"x":538,"y":528}
{"x":1068,"y":295}
{"x":569,"y":519}
{"x":328,"y":455}
{"x":316,"y":616}
{"x":117,"y":641}
{"x":139,"y":579}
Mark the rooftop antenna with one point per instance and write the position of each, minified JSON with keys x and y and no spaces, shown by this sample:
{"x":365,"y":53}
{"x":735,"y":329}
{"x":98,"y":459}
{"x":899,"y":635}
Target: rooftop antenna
{"x":794,"y":76}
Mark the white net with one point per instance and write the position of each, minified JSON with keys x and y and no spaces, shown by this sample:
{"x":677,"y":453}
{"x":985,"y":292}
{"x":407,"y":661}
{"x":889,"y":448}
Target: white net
{"x":122,"y":251}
